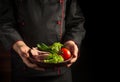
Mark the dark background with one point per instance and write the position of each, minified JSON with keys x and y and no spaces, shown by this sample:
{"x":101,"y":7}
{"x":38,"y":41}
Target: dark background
{"x":84,"y":69}
{"x":91,"y":66}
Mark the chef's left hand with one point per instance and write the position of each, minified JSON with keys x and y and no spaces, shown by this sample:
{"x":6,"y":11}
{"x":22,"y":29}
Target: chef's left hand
{"x":71,"y":45}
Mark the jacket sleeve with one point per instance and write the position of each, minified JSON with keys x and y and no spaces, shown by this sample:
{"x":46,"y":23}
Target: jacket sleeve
{"x":74,"y":21}
{"x":8,"y":33}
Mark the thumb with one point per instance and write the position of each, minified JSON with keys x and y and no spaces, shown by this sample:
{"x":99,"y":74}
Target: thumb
{"x":24,"y":52}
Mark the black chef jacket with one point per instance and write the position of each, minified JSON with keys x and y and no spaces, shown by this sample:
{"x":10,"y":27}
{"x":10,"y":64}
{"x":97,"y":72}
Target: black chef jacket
{"x":39,"y":21}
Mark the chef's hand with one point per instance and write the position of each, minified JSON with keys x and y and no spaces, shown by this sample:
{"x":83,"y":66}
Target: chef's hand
{"x":73,"y":49}
{"x":22,"y":49}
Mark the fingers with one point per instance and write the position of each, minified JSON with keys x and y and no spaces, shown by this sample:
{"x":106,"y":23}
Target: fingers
{"x":23,"y":52}
{"x":72,"y":61}
{"x":25,"y":55}
{"x":69,"y":65}
{"x":35,"y":51}
{"x":38,"y":55}
{"x":31,"y":65}
{"x":74,"y":51}
{"x":43,"y":53}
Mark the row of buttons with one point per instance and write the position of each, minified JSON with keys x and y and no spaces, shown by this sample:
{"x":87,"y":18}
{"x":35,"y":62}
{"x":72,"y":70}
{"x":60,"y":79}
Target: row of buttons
{"x":61,"y":1}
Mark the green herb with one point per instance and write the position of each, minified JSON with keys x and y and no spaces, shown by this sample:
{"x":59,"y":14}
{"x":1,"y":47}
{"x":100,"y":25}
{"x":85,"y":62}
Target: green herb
{"x":54,"y":58}
{"x":54,"y":49}
{"x":43,"y":47}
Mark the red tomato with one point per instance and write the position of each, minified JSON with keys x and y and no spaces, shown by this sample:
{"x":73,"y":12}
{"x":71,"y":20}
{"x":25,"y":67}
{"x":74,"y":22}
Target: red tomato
{"x":65,"y":53}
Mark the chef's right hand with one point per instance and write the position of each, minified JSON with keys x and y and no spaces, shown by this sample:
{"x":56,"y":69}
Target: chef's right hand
{"x":22,"y":49}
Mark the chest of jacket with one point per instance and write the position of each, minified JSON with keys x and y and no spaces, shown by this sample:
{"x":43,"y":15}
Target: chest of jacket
{"x":41,"y":20}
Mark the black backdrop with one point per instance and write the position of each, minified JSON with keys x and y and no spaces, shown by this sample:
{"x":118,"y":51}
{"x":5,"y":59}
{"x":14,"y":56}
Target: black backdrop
{"x":83,"y":70}
{"x":99,"y":61}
